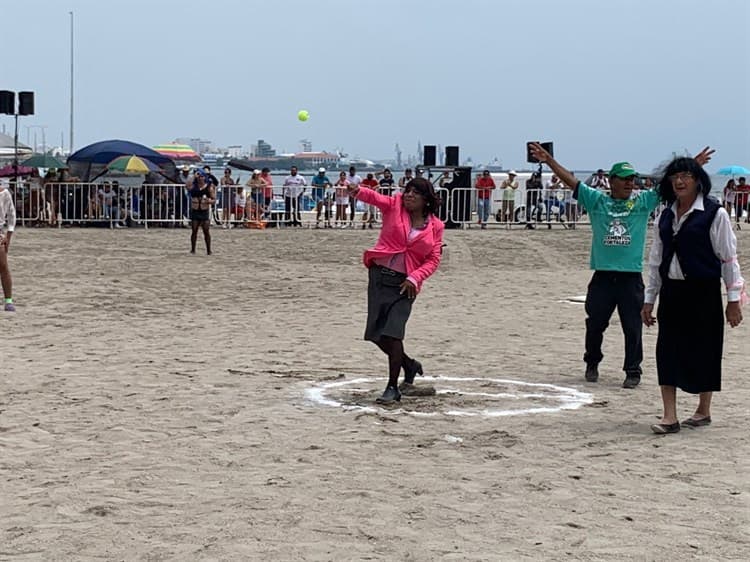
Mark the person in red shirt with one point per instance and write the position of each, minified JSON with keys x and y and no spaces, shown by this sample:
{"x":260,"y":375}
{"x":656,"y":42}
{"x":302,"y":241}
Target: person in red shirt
{"x":742,"y":196}
{"x":484,"y":185}
{"x":368,"y":218}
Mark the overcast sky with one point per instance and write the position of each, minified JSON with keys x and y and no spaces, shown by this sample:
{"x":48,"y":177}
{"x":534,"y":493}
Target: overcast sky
{"x":605,"y":80}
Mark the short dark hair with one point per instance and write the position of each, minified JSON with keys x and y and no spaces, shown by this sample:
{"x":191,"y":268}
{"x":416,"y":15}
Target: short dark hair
{"x":426,"y":190}
{"x":682,"y":164}
{"x":265,"y":170}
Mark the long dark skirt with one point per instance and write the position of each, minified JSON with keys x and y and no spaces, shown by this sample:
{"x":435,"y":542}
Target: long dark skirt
{"x":691,"y":335}
{"x":387,"y":309}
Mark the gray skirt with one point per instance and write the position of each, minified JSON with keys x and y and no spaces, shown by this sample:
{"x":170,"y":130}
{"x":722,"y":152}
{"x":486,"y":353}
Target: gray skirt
{"x":387,"y":309}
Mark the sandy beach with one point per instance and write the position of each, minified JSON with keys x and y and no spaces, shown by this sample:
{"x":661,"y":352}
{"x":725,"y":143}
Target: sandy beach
{"x":160,"y":406}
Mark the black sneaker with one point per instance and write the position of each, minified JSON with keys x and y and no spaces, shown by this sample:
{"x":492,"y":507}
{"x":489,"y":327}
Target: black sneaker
{"x":631,"y":381}
{"x":592,"y":373}
{"x":411,"y":374}
{"x":390,"y":396}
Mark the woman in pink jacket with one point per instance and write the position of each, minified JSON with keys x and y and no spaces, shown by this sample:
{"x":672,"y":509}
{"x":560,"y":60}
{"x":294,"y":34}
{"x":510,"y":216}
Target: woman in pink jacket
{"x":407,"y":252}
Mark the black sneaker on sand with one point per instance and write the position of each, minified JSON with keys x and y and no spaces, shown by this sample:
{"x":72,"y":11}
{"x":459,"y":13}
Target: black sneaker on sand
{"x":631,"y":381}
{"x":592,"y":373}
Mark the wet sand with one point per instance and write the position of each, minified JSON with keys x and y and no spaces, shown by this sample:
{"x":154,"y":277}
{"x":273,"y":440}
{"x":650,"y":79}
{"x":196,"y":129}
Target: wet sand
{"x":157,"y":406}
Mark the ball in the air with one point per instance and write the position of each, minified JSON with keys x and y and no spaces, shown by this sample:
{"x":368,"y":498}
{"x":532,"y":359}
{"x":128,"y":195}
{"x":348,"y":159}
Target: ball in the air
{"x":303,"y":115}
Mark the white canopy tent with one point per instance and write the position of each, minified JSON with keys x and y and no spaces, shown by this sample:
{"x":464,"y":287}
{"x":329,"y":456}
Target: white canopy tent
{"x":7,"y":149}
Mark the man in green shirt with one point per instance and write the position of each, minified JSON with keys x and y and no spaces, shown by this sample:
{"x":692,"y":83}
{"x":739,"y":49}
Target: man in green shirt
{"x":618,"y":222}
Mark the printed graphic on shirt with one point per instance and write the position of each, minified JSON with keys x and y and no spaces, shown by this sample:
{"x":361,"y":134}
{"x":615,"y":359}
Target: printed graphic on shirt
{"x":617,"y":234}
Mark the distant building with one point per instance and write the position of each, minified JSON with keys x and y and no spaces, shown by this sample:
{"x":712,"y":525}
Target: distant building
{"x":234,"y":151}
{"x":199,"y":145}
{"x":264,"y":150}
{"x":313,"y":160}
{"x":306,"y":145}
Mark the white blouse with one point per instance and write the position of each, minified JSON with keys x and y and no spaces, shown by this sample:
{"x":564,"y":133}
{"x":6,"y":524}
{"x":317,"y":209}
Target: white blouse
{"x":724,"y":244}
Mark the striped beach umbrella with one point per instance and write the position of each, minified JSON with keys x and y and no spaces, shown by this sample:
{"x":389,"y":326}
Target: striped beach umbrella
{"x":130,"y":164}
{"x":180,"y":152}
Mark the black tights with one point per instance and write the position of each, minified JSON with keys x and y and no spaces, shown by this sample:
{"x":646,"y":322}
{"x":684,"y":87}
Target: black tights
{"x":397,"y":358}
{"x":194,"y":234}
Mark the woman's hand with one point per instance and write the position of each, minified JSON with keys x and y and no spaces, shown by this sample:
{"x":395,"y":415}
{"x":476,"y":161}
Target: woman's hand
{"x":647,"y":314}
{"x":704,"y":156}
{"x":734,"y":313}
{"x":409,"y":288}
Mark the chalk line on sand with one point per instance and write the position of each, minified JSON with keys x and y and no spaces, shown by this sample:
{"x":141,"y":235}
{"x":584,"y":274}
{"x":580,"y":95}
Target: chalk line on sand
{"x":563,"y":397}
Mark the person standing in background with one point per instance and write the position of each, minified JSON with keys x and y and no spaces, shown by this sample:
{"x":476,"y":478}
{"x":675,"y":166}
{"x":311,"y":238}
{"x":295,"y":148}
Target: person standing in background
{"x":742,"y":190}
{"x":368,"y":219}
{"x":294,"y":187}
{"x":484,"y":185}
{"x":202,"y":196}
{"x":354,"y":181}
{"x":319,"y":184}
{"x":509,"y":187}
{"x":228,"y":193}
{"x":7,"y":227}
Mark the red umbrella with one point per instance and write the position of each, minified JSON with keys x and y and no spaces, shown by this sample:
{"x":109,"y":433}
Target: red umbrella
{"x":9,"y":171}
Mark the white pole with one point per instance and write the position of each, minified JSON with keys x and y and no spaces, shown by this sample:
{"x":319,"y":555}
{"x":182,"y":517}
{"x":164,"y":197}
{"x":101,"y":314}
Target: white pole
{"x":71,"y":83}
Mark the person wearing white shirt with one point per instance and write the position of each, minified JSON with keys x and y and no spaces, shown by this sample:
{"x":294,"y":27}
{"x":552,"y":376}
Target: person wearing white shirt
{"x":7,"y":226}
{"x":693,"y":249}
{"x":293,"y":188}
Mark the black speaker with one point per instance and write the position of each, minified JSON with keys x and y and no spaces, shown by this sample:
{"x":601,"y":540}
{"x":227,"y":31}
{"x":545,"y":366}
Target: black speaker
{"x":451,"y":156}
{"x":430,"y":154}
{"x":548,"y":146}
{"x":26,"y":103}
{"x":7,"y":102}
{"x":459,"y":199}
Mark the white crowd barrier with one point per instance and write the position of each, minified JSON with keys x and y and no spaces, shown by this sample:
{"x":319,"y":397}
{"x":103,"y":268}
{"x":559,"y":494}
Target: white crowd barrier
{"x":168,"y":205}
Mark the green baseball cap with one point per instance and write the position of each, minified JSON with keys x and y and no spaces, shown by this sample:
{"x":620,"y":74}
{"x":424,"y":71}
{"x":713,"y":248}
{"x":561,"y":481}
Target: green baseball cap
{"x":622,"y":170}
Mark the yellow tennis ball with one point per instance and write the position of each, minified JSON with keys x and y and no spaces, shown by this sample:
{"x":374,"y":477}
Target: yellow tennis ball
{"x":303,"y":115}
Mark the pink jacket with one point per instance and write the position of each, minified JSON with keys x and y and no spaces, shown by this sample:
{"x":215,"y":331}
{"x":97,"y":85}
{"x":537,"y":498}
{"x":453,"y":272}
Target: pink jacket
{"x":422,"y":254}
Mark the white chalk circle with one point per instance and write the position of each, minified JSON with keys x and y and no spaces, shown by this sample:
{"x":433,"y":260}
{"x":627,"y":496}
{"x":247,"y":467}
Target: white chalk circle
{"x":455,"y":396}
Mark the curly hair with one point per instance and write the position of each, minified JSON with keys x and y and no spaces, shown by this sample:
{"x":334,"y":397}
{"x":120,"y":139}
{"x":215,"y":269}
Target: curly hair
{"x":425,"y":189}
{"x":682,"y":164}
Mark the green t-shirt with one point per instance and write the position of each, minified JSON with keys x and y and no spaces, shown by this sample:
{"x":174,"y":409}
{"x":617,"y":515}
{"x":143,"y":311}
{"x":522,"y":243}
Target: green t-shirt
{"x":618,"y":227}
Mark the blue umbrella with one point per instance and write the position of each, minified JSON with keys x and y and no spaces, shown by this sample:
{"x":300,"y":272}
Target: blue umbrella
{"x":733,"y":171}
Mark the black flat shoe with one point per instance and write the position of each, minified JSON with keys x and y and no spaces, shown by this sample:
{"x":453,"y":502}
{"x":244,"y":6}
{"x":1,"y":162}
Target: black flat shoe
{"x":692,"y":422}
{"x":664,"y":428}
{"x":390,"y":396}
{"x":410,"y":374}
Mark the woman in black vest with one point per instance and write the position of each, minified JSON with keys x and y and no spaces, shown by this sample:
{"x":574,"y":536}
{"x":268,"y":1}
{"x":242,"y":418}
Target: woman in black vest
{"x":694,"y":247}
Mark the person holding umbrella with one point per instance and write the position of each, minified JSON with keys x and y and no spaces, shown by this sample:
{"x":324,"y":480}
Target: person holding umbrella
{"x":202,"y":196}
{"x":7,"y":226}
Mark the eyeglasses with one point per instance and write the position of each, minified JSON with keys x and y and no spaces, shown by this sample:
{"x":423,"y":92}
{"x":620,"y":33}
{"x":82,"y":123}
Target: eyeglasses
{"x":681,"y":176}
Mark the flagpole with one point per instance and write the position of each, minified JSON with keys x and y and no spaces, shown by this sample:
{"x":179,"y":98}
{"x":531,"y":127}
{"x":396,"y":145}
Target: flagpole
{"x":71,"y":83}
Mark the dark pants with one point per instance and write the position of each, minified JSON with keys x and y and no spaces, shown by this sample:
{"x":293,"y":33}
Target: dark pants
{"x":609,"y":290}
{"x":291,"y":211}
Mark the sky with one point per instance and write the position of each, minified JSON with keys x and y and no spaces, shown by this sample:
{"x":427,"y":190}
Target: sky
{"x":613,"y":80}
